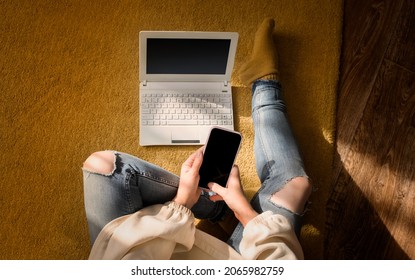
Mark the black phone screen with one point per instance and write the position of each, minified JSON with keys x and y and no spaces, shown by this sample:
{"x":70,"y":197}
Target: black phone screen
{"x":219,"y":156}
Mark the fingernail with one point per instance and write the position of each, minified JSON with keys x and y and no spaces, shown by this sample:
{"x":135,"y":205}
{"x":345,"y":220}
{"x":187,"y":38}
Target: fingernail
{"x":212,"y":193}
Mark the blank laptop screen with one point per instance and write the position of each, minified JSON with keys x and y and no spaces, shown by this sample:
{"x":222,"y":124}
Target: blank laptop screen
{"x":187,"y":56}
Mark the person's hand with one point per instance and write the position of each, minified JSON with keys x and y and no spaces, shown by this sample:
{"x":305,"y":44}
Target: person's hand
{"x":188,"y":192}
{"x":234,"y":197}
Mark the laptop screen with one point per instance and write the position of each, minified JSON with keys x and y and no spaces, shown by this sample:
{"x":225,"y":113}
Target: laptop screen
{"x":187,"y":56}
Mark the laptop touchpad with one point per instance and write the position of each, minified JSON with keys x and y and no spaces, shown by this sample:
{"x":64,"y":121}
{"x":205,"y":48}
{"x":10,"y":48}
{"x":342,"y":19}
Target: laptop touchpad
{"x":185,"y":135}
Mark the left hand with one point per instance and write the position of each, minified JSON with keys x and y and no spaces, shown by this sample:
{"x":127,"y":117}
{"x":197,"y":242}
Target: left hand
{"x":189,"y":191}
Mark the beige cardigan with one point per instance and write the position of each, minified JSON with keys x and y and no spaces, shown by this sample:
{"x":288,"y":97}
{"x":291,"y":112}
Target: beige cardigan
{"x":168,"y":232}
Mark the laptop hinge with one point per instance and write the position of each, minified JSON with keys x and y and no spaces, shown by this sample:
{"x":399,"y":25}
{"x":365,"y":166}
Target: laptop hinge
{"x":225,"y":87}
{"x":145,"y":83}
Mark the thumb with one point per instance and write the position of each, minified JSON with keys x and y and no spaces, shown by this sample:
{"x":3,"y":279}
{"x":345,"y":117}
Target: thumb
{"x":234,"y":176}
{"x":234,"y":171}
{"x":216,"y":188}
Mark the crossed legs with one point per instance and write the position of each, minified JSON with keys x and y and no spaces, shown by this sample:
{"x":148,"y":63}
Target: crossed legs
{"x":285,"y":186}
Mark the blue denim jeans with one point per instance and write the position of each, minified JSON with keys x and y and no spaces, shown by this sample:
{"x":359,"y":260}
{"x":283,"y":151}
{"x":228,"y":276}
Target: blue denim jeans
{"x":135,"y":184}
{"x":277,"y":157}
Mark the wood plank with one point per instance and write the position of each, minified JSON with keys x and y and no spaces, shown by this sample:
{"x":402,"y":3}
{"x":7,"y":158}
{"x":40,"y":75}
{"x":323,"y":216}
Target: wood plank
{"x":402,"y":48}
{"x":358,"y":231}
{"x":397,"y":175}
{"x":368,"y":27}
{"x":354,"y":228}
{"x":370,"y":213}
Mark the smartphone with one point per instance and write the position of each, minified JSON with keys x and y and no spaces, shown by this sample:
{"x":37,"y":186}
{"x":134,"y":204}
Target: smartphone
{"x":219,"y":156}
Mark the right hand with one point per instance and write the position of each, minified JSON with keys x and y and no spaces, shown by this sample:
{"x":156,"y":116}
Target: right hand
{"x":234,"y":197}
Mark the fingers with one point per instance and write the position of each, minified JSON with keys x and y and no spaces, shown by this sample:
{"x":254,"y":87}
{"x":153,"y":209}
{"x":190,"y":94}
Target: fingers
{"x":194,"y":161}
{"x":201,"y":149}
{"x":198,"y":160}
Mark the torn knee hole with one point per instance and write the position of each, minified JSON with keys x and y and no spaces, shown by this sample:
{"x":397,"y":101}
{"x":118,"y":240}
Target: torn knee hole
{"x":293,"y":195}
{"x":102,"y":162}
{"x":300,"y":183}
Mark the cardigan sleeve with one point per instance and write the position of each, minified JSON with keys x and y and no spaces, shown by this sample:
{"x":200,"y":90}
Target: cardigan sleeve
{"x":155,"y":232}
{"x":270,"y":236}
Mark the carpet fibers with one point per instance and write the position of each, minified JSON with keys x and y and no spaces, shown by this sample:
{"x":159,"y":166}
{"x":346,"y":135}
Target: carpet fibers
{"x":69,"y":87}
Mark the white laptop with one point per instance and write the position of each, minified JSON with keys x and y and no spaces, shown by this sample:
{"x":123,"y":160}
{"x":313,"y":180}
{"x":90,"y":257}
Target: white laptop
{"x":185,"y":85}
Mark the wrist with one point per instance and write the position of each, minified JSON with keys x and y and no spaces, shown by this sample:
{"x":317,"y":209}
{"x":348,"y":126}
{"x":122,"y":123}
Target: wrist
{"x":246,"y":216}
{"x":183,"y":202}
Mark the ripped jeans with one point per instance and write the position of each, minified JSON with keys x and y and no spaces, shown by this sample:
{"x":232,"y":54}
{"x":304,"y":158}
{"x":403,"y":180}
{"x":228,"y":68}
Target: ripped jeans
{"x":135,"y":184}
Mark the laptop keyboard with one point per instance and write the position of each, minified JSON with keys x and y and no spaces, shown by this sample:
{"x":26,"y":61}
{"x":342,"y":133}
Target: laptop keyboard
{"x":178,"y":109}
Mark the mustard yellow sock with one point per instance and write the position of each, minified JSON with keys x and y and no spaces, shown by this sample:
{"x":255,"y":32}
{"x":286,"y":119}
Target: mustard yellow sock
{"x":263,"y":63}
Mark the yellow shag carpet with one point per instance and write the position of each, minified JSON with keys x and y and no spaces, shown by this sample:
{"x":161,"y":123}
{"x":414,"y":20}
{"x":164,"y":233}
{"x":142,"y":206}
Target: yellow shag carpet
{"x":69,"y":87}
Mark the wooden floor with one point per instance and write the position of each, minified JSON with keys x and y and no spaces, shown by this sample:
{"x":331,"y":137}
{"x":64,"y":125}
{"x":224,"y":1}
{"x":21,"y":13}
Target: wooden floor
{"x":371,"y":211}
